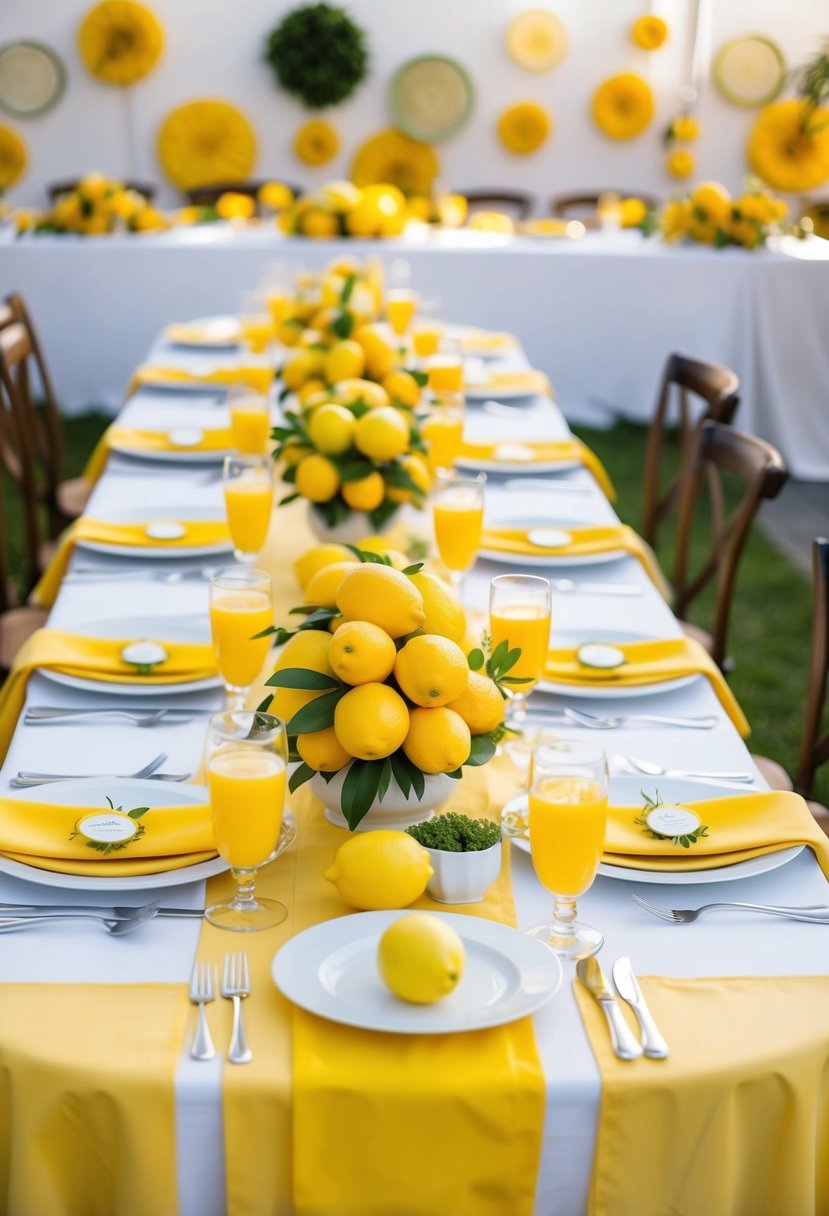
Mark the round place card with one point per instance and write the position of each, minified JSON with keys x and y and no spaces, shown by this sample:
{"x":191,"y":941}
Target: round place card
{"x":672,"y":821}
{"x":548,"y":538}
{"x":32,"y":78}
{"x":165,"y":529}
{"x":109,"y":827}
{"x":144,"y":654}
{"x":185,"y":436}
{"x":515,"y":453}
{"x":598,"y":654}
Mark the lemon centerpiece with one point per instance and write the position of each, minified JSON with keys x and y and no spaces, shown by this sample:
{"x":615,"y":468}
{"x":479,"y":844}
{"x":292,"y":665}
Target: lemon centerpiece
{"x":421,"y":958}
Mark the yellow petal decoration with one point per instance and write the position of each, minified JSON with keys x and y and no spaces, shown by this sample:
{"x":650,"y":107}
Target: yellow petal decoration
{"x":390,"y":156}
{"x":120,"y":41}
{"x":524,"y":127}
{"x":316,"y":143}
{"x":623,"y":106}
{"x":649,"y":32}
{"x":685,"y":128}
{"x":13,"y":157}
{"x":680,"y":164}
{"x":205,"y":142}
{"x":536,"y":40}
{"x":789,"y":146}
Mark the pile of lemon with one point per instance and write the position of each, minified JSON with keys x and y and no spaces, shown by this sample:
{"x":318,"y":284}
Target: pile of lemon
{"x":340,"y":208}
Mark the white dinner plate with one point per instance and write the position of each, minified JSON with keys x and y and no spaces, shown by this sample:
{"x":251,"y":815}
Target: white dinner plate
{"x":522,"y":468}
{"x":220,"y":334}
{"x":331,"y":970}
{"x":154,"y":551}
{"x":629,"y":791}
{"x":182,"y":455}
{"x":602,"y":692}
{"x":140,"y":628}
{"x":546,"y":523}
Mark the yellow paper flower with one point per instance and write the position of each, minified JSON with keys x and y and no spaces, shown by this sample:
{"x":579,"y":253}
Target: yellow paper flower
{"x":233,"y":206}
{"x":13,"y":157}
{"x":390,"y":156}
{"x":205,"y":142}
{"x":680,"y":163}
{"x":685,"y":129}
{"x":120,"y":41}
{"x":275,"y":195}
{"x":316,"y":143}
{"x":524,"y":128}
{"x":789,"y":147}
{"x":649,"y":32}
{"x":632,"y":212}
{"x":623,"y":106}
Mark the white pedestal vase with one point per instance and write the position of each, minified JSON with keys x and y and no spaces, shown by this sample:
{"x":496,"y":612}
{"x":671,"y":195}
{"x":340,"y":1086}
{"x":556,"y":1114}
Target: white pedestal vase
{"x":354,"y":528}
{"x":395,"y":810}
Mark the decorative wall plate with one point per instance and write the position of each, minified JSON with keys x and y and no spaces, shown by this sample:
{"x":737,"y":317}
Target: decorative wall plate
{"x":537,"y":40}
{"x":32,"y":78}
{"x":750,"y":71}
{"x":431,"y":98}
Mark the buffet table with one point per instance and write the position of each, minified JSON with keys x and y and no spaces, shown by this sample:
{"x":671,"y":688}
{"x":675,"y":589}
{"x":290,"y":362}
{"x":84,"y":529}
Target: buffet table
{"x":615,"y":304}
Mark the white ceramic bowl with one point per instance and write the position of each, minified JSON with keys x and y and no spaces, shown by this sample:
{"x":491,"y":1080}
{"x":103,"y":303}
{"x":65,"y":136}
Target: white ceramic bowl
{"x":463,"y":878}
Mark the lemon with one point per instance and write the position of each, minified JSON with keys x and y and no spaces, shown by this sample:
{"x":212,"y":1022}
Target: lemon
{"x":362,"y":220}
{"x":376,"y":870}
{"x":317,"y":479}
{"x":322,"y":751}
{"x":362,"y":653}
{"x":365,"y":494}
{"x":713,"y":201}
{"x":344,"y":361}
{"x":439,"y":741}
{"x":444,"y":615}
{"x":431,"y":670}
{"x":420,"y":958}
{"x":418,"y":470}
{"x":382,"y":596}
{"x":320,"y":224}
{"x":331,"y":429}
{"x":297,"y":368}
{"x":381,"y":546}
{"x":308,"y":648}
{"x":288,"y":332}
{"x":382,"y":434}
{"x":481,"y":705}
{"x":373,"y":394}
{"x":323,"y":586}
{"x":318,"y":558}
{"x":381,"y":356}
{"x":401,"y":386}
{"x":294,"y":451}
{"x":371,"y":721}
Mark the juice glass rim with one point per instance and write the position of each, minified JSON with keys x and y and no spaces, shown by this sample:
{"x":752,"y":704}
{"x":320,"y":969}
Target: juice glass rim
{"x":231,"y":578}
{"x":572,"y":753}
{"x":250,"y":460}
{"x":521,"y":580}
{"x":227,"y":726}
{"x":446,"y":479}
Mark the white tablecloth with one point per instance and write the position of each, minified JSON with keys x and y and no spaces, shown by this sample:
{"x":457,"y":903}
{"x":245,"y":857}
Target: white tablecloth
{"x":599,"y":315}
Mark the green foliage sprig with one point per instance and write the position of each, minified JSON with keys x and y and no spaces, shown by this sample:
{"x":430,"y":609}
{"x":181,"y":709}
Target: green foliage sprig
{"x":319,"y":54}
{"x":685,"y":840}
{"x":453,"y":833}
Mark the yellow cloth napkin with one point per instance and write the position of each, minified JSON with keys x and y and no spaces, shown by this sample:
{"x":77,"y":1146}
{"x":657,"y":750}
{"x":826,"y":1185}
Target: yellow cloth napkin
{"x":254,"y":376}
{"x":96,"y":659}
{"x":735,"y":1120}
{"x":583,"y":542}
{"x":562,"y":451}
{"x":218,"y":439}
{"x":486,"y":340}
{"x":649,"y":663}
{"x":87,"y":1108}
{"x":533,"y":383}
{"x":205,"y":333}
{"x":198,"y":534}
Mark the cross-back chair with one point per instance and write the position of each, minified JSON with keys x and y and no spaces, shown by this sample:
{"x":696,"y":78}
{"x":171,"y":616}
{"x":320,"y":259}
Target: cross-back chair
{"x":814,"y":746}
{"x":517,"y":202}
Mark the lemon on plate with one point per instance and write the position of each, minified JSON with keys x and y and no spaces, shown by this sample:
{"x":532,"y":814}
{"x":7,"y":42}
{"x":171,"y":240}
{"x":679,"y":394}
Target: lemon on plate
{"x":421,"y":958}
{"x":377,"y":870}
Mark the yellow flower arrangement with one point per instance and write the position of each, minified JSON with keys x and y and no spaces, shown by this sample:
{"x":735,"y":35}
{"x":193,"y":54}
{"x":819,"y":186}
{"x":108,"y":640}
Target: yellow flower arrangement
{"x":120,"y":41}
{"x":649,"y":32}
{"x":233,"y":206}
{"x":340,"y":208}
{"x":789,"y":145}
{"x":205,"y":142}
{"x":390,"y":156}
{"x":96,"y":206}
{"x":316,"y":142}
{"x":275,"y":196}
{"x":524,"y":128}
{"x":680,"y":163}
{"x":623,"y":106}
{"x":709,"y":216}
{"x":13,"y":157}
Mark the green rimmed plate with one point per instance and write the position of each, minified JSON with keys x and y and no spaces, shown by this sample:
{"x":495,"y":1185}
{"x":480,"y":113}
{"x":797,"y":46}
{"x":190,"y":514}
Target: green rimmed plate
{"x":32,"y":78}
{"x":432,"y":97}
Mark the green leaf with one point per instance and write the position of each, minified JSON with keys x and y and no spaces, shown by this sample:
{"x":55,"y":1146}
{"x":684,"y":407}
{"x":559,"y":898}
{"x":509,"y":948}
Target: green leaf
{"x":137,"y":812}
{"x":317,"y":714}
{"x":360,"y":789}
{"x":348,"y":288}
{"x":265,"y":633}
{"x":400,"y":769}
{"x":498,"y":655}
{"x":333,"y":512}
{"x":420,"y":378}
{"x":265,"y":704}
{"x":342,"y":325}
{"x":516,"y":679}
{"x":483,"y":749}
{"x":359,"y":407}
{"x":456,"y":774}
{"x":381,"y":515}
{"x":283,"y":502}
{"x":353,"y":470}
{"x":299,"y":776}
{"x":475,"y":659}
{"x":302,"y":677}
{"x":385,"y":779}
{"x":412,"y":569}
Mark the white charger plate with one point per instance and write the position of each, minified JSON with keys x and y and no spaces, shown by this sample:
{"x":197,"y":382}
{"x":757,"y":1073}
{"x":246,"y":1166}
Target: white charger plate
{"x":603,"y":692}
{"x":331,"y":970}
{"x":158,"y":549}
{"x":628,"y":791}
{"x":546,"y":523}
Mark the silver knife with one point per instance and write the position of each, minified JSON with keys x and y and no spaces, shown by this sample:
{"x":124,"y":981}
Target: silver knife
{"x":628,"y":988}
{"x":24,"y":911}
{"x":622,"y":1039}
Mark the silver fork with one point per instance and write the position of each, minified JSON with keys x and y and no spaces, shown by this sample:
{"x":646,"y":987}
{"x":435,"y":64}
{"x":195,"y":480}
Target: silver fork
{"x":34,"y":715}
{"x":202,"y":992}
{"x":655,"y":770}
{"x":116,"y":928}
{"x":27,"y":780}
{"x":596,"y":722}
{"x":235,"y":987}
{"x":816,"y":914}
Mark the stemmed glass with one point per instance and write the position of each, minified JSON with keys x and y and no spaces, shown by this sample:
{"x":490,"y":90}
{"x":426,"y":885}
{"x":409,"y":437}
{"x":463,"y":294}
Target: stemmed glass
{"x":458,"y":513}
{"x":248,"y":489}
{"x":250,"y":420}
{"x":241,"y":606}
{"x":255,"y":322}
{"x":246,"y":763}
{"x":519,"y":613}
{"x":568,"y":817}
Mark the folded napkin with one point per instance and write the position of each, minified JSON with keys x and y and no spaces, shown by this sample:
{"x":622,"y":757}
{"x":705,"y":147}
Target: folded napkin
{"x":648,"y":663}
{"x":96,"y":659}
{"x":533,"y":383}
{"x":583,"y":542}
{"x":255,"y":376}
{"x":206,"y":333}
{"x":561,"y":451}
{"x":197,"y":534}
{"x":217,"y":439}
{"x":486,"y":340}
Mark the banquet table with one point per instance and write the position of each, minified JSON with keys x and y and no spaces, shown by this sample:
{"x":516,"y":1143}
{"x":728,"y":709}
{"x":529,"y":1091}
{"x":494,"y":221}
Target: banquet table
{"x":77,"y":953}
{"x":616,"y":304}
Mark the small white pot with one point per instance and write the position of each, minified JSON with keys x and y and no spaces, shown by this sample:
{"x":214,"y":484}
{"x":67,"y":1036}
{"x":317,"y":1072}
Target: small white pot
{"x":463,"y":878}
{"x":354,"y":528}
{"x":395,"y":810}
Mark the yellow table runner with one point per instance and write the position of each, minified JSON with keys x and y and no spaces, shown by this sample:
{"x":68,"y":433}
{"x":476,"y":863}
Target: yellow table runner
{"x":255,"y":376}
{"x":197,"y":534}
{"x":561,"y":452}
{"x":648,"y":663}
{"x":217,"y":439}
{"x":583,"y":542}
{"x":530,"y":382}
{"x":735,"y":1120}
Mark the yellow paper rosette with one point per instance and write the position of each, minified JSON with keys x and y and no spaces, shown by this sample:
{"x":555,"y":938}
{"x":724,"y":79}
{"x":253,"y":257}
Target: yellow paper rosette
{"x":13,"y":157}
{"x":120,"y":41}
{"x":205,"y":142}
{"x":316,"y":142}
{"x":649,"y":32}
{"x":789,"y":146}
{"x":390,"y":156}
{"x":685,"y":129}
{"x":524,"y":128}
{"x":536,"y":40}
{"x":623,"y":106}
{"x":680,"y":163}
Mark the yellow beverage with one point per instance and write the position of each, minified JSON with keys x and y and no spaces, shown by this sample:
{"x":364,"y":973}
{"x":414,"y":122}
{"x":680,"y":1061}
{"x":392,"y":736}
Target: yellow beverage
{"x":568,"y":816}
{"x":278,"y":304}
{"x":426,"y":340}
{"x":527,"y":627}
{"x":257,"y":332}
{"x":235,"y":616}
{"x":249,"y":504}
{"x":251,"y":426}
{"x":446,"y":375}
{"x":443,"y":434}
{"x":247,"y":797}
{"x":400,"y":310}
{"x":458,"y":529}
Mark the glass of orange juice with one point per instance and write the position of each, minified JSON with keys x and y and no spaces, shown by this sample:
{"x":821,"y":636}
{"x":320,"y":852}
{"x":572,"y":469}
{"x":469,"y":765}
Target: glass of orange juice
{"x":250,"y":420}
{"x":401,"y":306}
{"x":568,"y":817}
{"x":442,"y":431}
{"x":458,"y":515}
{"x":248,"y":487}
{"x":519,"y":614}
{"x":426,"y":336}
{"x":255,"y":322}
{"x":241,"y":608}
{"x":246,"y":764}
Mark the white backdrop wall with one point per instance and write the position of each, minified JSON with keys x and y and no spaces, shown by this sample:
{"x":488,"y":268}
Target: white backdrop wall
{"x":214,"y":48}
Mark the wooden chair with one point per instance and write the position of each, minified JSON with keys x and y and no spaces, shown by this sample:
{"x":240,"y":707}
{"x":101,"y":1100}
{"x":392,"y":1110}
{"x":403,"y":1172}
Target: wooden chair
{"x":814,"y":747}
{"x":721,"y":450}
{"x":516,"y":202}
{"x":56,"y":189}
{"x":205,"y":196}
{"x":716,"y":391}
{"x":20,"y":351}
{"x":587,"y":201}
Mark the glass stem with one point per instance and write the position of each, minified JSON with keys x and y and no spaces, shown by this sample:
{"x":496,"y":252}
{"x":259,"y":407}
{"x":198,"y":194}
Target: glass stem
{"x":516,"y":708}
{"x":244,"y":898}
{"x":564,"y":917}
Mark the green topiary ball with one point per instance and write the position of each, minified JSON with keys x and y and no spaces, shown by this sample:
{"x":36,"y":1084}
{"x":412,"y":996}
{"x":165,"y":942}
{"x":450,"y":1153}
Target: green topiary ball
{"x":318,"y":54}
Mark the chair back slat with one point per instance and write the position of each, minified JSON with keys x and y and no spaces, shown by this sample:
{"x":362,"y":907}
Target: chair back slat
{"x":814,"y":748}
{"x":517,"y":201}
{"x":18,"y":464}
{"x":588,"y":200}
